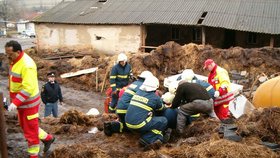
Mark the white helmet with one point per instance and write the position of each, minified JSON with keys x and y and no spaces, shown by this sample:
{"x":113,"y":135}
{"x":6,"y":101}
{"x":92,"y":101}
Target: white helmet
{"x":168,"y":97}
{"x":145,"y":74}
{"x":122,"y":57}
{"x":151,"y":83}
{"x":173,"y":87}
{"x":187,"y":75}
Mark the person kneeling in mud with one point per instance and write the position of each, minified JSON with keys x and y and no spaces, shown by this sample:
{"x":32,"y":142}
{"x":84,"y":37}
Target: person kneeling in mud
{"x":125,"y":96}
{"x":192,"y":99}
{"x":140,"y":116}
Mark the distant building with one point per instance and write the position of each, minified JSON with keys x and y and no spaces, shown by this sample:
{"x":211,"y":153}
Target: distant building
{"x":111,"y":26}
{"x":22,"y":26}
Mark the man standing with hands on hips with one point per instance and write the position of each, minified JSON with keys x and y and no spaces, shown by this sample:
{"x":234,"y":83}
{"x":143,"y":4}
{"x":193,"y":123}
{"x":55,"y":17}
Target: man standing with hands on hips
{"x":25,"y":97}
{"x":50,"y":94}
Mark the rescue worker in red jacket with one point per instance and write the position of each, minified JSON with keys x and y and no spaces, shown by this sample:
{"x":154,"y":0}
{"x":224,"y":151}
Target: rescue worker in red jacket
{"x":219,"y":79}
{"x":25,"y":97}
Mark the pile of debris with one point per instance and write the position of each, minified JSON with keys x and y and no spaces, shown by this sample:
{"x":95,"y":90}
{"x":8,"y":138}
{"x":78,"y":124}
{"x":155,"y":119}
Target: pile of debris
{"x":244,"y":65}
{"x":262,"y":123}
{"x":201,"y":140}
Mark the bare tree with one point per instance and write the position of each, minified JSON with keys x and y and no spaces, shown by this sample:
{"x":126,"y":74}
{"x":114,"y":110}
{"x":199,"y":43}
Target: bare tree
{"x":9,"y":10}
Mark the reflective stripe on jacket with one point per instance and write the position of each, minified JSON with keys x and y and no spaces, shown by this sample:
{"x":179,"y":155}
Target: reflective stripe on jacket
{"x":209,"y":88}
{"x":24,"y":90}
{"x":128,"y":94}
{"x":141,"y":109}
{"x":218,"y":77}
{"x":119,"y":76}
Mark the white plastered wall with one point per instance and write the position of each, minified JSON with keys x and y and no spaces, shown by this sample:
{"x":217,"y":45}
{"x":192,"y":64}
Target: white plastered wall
{"x":109,"y":39}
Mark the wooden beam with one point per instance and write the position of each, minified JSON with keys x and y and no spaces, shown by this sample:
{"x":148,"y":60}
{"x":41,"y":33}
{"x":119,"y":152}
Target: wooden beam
{"x":81,"y":72}
{"x":271,"y":41}
{"x":66,"y":56}
{"x":142,"y":35}
{"x":3,"y":140}
{"x":96,"y":80}
{"x":153,"y":47}
{"x":203,"y":35}
{"x":104,"y":80}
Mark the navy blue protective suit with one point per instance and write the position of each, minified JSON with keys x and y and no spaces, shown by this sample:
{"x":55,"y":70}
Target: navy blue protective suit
{"x":140,"y":116}
{"x":123,"y":103}
{"x":119,"y":78}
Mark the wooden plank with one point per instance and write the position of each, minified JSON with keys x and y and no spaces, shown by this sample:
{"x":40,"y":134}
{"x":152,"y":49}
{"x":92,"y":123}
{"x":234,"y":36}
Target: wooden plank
{"x":81,"y":72}
{"x":104,"y":80}
{"x":203,"y":36}
{"x":148,"y":47}
{"x":271,"y":44}
{"x":96,"y":80}
{"x":66,"y":56}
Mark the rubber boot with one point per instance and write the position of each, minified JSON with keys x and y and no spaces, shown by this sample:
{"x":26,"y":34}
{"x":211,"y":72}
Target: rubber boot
{"x":155,"y":145}
{"x":47,"y":144}
{"x":108,"y":128}
{"x":167,"y":135}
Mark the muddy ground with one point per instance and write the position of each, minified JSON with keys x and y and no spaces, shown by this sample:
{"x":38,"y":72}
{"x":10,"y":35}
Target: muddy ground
{"x":202,"y":139}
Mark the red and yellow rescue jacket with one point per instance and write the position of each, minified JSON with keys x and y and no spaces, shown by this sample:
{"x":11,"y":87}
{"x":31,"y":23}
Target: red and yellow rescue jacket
{"x":219,"y":79}
{"x":23,"y":82}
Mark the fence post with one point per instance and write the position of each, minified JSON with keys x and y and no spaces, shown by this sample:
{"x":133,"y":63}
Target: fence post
{"x":3,"y":143}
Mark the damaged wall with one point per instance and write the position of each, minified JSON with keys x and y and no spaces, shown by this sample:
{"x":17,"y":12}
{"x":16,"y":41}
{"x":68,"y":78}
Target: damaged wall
{"x":109,"y":39}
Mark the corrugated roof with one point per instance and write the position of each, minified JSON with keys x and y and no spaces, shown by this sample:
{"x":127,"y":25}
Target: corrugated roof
{"x":261,"y":16}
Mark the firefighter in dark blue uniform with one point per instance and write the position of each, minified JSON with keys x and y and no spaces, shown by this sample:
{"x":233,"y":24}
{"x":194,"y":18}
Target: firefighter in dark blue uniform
{"x":123,"y":103}
{"x":141,"y":117}
{"x":119,"y":78}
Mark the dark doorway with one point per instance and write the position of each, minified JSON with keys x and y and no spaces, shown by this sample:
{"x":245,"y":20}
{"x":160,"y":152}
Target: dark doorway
{"x":229,"y":39}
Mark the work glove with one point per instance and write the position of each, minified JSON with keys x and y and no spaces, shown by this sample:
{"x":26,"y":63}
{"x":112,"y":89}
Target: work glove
{"x":216,"y":94}
{"x":12,"y":107}
{"x":223,"y":90}
{"x":168,"y":98}
{"x":5,"y":103}
{"x":168,"y":105}
{"x":132,"y":78}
